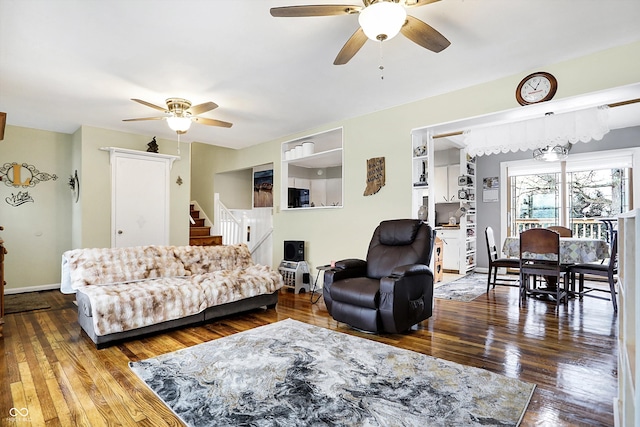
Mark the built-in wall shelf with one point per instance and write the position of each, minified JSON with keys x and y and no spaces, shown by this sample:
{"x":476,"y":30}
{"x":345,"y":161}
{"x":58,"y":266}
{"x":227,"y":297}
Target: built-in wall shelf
{"x":324,"y":159}
{"x":116,"y":150}
{"x":454,"y":183}
{"x":312,"y":175}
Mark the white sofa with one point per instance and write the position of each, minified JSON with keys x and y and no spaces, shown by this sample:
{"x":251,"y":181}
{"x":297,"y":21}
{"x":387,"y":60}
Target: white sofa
{"x":127,"y":292}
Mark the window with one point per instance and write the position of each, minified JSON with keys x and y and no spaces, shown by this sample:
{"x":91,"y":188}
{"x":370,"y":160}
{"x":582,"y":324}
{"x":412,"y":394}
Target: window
{"x":577,"y":193}
{"x":600,"y":193}
{"x":535,"y":201}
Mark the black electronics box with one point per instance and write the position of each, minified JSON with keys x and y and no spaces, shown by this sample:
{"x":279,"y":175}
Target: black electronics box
{"x":294,"y":250}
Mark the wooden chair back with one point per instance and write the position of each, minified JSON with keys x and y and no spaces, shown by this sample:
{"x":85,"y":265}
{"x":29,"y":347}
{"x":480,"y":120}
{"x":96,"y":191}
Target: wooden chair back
{"x":492,"y":250}
{"x":540,"y":256}
{"x":540,"y":244}
{"x":562,"y":231}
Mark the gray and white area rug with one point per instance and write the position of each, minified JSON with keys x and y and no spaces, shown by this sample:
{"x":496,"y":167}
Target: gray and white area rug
{"x":465,"y":289}
{"x":291,"y":373}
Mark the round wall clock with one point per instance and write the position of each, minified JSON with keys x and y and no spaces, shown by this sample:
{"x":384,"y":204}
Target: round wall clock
{"x":536,"y":87}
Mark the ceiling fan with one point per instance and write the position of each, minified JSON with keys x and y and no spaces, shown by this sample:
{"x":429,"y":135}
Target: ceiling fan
{"x":180,"y":114}
{"x":379,"y":20}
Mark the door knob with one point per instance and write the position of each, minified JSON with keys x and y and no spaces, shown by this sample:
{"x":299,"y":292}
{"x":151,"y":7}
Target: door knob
{"x":119,"y":231}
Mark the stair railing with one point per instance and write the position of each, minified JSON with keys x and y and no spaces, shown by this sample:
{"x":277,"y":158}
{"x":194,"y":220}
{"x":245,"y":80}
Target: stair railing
{"x":251,"y":226}
{"x":226,"y":224}
{"x":207,"y":221}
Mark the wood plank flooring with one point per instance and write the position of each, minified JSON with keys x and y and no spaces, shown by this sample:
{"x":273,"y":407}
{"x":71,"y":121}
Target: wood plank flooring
{"x":49,"y":367}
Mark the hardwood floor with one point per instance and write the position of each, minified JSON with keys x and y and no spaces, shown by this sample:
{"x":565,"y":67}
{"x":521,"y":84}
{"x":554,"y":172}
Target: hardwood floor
{"x":49,"y":367}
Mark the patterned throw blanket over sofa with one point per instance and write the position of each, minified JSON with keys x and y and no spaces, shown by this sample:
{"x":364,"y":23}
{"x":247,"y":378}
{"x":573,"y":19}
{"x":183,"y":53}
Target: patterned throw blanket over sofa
{"x":126,"y":292}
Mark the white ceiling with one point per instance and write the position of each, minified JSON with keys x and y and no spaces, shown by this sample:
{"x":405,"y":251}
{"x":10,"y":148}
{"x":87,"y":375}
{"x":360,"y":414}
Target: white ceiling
{"x":67,"y":63}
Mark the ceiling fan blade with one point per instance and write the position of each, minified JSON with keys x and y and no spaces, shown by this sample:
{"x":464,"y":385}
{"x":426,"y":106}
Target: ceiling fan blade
{"x":351,"y":47}
{"x":211,"y":122}
{"x":3,"y":122}
{"x":424,"y":35}
{"x":142,"y":118}
{"x":315,"y":10}
{"x":148,"y":104}
{"x":202,"y":108}
{"x":417,"y":3}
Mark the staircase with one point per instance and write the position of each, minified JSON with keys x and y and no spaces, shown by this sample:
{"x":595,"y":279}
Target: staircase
{"x":199,"y":234}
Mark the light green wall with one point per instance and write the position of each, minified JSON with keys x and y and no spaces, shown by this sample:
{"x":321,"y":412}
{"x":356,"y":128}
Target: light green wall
{"x":340,"y":233}
{"x":202,"y":180}
{"x":235,"y":188}
{"x":96,"y":184}
{"x":37,"y":233}
{"x":76,"y":208}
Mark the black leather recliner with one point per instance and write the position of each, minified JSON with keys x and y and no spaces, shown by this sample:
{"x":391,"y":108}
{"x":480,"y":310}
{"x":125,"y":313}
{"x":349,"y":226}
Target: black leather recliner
{"x":393,"y":289}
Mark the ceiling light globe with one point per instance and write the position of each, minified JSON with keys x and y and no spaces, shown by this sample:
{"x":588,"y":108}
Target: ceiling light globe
{"x":382,"y":20}
{"x":179,"y":124}
{"x":552,"y":154}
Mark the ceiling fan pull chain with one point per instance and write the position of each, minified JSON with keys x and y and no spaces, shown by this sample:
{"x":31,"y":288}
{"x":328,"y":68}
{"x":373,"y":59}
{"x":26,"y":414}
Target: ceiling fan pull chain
{"x":381,"y":67}
{"x":178,"y":144}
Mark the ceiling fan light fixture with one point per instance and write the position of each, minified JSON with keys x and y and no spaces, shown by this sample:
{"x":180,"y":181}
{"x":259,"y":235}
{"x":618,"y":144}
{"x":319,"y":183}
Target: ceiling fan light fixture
{"x":382,"y":20}
{"x":552,"y":153}
{"x":179,"y":124}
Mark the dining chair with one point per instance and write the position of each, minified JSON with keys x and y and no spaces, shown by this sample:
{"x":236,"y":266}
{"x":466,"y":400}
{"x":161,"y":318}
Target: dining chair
{"x":540,"y":256}
{"x":562,"y":231}
{"x":608,"y":270}
{"x":495,"y":262}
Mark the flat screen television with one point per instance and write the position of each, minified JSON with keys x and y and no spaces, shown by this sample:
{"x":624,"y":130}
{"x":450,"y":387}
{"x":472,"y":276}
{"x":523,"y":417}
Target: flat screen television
{"x":298,"y":198}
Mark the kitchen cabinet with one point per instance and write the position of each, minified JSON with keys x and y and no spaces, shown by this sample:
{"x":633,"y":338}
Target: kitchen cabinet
{"x":451,"y":248}
{"x":446,"y":183}
{"x":318,"y":192}
{"x":302,"y":183}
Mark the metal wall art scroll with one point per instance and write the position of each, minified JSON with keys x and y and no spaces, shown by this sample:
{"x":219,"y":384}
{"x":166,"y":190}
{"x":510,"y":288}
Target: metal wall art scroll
{"x":23,"y":175}
{"x":375,"y":175}
{"x":74,"y":184}
{"x":18,"y":199}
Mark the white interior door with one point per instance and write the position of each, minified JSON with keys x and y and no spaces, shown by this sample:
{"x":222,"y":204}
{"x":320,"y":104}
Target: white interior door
{"x":140,"y":200}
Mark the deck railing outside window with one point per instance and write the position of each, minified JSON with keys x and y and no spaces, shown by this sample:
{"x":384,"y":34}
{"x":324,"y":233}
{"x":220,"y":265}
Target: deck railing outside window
{"x":586,"y":227}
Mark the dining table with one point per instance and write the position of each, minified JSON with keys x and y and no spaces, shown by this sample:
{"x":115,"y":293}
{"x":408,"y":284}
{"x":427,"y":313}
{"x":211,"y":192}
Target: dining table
{"x":573,"y":250}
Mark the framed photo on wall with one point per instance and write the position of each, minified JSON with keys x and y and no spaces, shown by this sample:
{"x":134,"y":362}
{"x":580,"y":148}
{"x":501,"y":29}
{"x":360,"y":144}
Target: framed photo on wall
{"x":263,"y":189}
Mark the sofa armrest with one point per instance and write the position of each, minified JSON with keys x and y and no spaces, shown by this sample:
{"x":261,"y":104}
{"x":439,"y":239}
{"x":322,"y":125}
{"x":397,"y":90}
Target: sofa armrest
{"x":409,"y":270}
{"x":344,"y":269}
{"x":351,"y":263}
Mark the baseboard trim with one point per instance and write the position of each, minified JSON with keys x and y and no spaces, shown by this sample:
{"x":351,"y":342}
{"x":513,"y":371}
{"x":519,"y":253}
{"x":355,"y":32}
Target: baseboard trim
{"x":8,"y":291}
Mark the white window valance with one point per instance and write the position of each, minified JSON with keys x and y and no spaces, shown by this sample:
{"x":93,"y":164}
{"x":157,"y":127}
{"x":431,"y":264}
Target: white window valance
{"x":552,"y":129}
